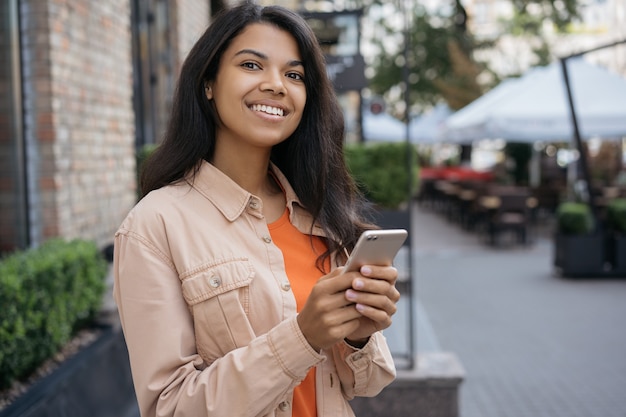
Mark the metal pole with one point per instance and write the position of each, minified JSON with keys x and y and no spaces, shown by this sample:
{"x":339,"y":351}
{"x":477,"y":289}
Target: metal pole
{"x":577,"y":137}
{"x":409,"y":160}
{"x":582,"y":160}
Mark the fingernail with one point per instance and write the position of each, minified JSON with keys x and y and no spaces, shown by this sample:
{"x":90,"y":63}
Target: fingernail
{"x":350,"y":295}
{"x":366,"y":270}
{"x":358,"y":284}
{"x":360,"y":307}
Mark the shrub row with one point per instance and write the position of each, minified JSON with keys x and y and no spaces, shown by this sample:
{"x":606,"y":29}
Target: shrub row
{"x":616,"y":215}
{"x":381,"y":171}
{"x":575,"y":218}
{"x":46,"y":295}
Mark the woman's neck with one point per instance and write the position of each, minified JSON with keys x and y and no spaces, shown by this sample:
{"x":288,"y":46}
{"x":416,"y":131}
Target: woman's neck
{"x":251,"y":172}
{"x":247,"y":169}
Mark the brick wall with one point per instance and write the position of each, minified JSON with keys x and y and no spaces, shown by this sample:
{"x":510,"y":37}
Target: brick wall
{"x":79,"y":120}
{"x":192,"y":19}
{"x":176,"y":28}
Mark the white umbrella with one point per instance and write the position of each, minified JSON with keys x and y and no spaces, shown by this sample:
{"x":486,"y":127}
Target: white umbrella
{"x":535,"y":108}
{"x":382,"y":127}
{"x":429,"y":128}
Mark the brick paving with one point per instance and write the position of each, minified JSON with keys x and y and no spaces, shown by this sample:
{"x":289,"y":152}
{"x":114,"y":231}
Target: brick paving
{"x":533,"y":344}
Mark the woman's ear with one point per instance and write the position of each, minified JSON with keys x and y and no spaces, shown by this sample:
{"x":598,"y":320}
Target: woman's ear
{"x":208,"y":91}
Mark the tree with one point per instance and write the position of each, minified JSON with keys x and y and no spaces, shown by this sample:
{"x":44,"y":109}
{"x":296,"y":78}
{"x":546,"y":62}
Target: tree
{"x":530,"y":18}
{"x":441,"y":57}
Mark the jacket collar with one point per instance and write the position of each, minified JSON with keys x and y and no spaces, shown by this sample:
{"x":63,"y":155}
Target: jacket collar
{"x":232,"y":200}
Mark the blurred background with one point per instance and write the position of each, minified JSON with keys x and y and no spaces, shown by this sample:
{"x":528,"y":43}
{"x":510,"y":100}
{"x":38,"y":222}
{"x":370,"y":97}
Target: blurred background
{"x":85,"y":86}
{"x":495,"y":128}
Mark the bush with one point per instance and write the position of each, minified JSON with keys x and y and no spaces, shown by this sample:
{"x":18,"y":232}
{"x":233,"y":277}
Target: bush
{"x":46,"y":294}
{"x":616,"y":215}
{"x":380,"y":171}
{"x":140,"y":157}
{"x":574,"y":218}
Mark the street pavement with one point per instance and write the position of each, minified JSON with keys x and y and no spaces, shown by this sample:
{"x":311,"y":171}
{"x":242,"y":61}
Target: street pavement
{"x":533,"y":344}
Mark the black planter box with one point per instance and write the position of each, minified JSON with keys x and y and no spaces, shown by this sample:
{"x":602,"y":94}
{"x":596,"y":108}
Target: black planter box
{"x":393,"y":219}
{"x":618,"y":251}
{"x":96,"y":382}
{"x":580,"y":256}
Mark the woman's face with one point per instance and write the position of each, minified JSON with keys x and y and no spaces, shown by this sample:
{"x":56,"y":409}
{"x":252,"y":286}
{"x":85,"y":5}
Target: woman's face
{"x":259,"y":90}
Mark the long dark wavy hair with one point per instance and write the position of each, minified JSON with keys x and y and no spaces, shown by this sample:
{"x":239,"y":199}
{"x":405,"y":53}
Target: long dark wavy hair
{"x":311,"y":158}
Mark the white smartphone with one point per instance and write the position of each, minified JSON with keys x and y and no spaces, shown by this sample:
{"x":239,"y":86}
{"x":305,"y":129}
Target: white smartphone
{"x":376,"y":247}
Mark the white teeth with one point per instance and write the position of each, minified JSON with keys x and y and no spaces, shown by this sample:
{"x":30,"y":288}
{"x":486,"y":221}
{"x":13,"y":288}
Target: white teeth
{"x":267,"y":109}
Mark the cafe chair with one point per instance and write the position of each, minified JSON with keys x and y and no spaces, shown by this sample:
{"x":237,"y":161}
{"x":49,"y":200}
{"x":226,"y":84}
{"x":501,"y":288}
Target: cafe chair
{"x":512,"y":213}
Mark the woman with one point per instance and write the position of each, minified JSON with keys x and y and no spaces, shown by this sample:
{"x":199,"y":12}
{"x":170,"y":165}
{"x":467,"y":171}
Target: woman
{"x":226,"y":272}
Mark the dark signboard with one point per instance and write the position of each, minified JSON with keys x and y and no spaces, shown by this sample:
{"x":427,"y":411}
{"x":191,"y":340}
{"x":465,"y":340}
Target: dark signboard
{"x":339,"y":35}
{"x":346,"y":72}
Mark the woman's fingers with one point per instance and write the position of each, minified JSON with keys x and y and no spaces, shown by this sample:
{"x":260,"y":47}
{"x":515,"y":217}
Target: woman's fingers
{"x":354,"y":304}
{"x":381,"y":302}
{"x":327,"y":317}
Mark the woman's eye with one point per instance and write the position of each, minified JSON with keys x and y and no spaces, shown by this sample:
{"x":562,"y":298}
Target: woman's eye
{"x":295,"y":76}
{"x":250,"y":65}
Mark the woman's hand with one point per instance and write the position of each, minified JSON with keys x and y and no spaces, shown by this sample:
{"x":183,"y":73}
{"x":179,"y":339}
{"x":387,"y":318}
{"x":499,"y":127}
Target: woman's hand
{"x":349,"y":306}
{"x":375,"y":297}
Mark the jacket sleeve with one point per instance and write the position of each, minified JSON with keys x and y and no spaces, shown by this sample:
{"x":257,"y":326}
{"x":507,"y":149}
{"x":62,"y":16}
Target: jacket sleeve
{"x":364,"y":372}
{"x":170,"y":378}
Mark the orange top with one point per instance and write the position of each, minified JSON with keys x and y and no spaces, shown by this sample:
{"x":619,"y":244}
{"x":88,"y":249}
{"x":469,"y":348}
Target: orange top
{"x":300,"y":258}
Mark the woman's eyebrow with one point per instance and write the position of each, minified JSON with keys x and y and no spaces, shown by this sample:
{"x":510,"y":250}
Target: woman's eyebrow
{"x":256,"y":53}
{"x":261,"y":55}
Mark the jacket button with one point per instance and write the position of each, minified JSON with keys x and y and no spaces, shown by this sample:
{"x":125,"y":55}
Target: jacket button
{"x":286,"y":286}
{"x":284,"y":406}
{"x":215,"y":282}
{"x":254,"y":204}
{"x":267,"y":239}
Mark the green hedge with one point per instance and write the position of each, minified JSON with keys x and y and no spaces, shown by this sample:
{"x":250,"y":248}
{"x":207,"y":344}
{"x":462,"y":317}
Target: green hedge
{"x":616,"y":215}
{"x":574,"y":218}
{"x":46,"y":295}
{"x":141,"y":155}
{"x":381,"y":171}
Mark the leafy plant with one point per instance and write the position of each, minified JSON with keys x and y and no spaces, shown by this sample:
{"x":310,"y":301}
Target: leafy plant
{"x":574,"y":218}
{"x":381,"y":171}
{"x":46,"y":294}
{"x":616,"y":215}
{"x":141,"y":156}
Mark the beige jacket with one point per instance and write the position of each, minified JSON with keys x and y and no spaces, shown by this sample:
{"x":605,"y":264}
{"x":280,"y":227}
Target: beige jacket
{"x":208,"y":314}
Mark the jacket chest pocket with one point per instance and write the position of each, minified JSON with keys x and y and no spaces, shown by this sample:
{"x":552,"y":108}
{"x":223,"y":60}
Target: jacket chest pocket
{"x":219,"y":298}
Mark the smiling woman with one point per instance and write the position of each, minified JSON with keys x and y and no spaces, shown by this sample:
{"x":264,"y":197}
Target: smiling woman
{"x":259,"y":96}
{"x":228,"y":271}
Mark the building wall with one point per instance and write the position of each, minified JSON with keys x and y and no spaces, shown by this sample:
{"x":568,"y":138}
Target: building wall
{"x":192,"y":19}
{"x":73,"y":115}
{"x":78,"y":116}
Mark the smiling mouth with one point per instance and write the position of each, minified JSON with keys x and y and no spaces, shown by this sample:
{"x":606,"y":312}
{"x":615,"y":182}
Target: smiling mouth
{"x":276,"y":111}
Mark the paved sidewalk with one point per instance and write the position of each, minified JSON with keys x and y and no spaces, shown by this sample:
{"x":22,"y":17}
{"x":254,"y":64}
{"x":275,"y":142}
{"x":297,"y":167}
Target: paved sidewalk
{"x":532,"y":344}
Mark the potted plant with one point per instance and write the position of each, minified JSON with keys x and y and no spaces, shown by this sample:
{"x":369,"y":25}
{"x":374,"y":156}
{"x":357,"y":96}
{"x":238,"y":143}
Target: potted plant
{"x":616,"y":240}
{"x":382,"y":173}
{"x":579,"y":247}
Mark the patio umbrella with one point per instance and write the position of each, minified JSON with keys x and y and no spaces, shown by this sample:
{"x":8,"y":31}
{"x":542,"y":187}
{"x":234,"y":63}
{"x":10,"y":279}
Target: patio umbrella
{"x":429,"y":128}
{"x":535,"y":108}
{"x":382,"y":127}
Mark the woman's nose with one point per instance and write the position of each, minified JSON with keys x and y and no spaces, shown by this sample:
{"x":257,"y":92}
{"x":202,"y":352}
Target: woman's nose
{"x":273,"y":83}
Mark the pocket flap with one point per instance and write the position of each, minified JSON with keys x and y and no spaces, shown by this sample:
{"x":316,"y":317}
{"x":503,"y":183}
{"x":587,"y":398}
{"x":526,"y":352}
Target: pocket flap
{"x":218,"y":279}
